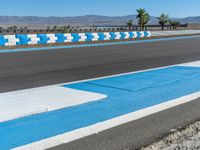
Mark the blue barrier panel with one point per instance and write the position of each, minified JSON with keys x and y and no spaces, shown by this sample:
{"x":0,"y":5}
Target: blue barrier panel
{"x":139,"y":34}
{"x":43,"y":38}
{"x":101,"y":36}
{"x":23,"y":39}
{"x":2,"y":40}
{"x":113,"y":36}
{"x":89,"y":37}
{"x":61,"y":38}
{"x":76,"y":37}
{"x":131,"y":35}
{"x":123,"y":35}
{"x":147,"y":34}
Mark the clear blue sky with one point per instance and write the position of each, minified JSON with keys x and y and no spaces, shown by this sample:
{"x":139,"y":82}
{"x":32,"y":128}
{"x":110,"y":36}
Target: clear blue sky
{"x":175,"y":8}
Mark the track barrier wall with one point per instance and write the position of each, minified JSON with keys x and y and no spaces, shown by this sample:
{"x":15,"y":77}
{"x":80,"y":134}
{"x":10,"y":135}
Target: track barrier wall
{"x":29,"y":39}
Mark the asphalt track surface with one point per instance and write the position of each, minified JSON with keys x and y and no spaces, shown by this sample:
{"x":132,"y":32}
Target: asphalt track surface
{"x":24,"y":70}
{"x":38,"y":68}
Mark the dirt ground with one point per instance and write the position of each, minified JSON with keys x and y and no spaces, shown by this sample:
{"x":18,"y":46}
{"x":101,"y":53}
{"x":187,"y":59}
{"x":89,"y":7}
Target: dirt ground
{"x":187,"y":138}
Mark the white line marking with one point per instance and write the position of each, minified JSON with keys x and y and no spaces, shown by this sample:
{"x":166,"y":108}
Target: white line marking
{"x":191,"y":64}
{"x":29,"y":102}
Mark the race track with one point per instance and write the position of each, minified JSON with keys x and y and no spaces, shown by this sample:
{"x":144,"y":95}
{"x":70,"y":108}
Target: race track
{"x":23,"y":70}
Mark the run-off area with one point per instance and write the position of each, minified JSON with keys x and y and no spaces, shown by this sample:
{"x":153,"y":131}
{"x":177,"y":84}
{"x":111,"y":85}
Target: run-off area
{"x":102,"y":100}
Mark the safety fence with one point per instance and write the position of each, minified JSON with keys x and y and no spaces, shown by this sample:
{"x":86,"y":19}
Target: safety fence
{"x":29,"y":39}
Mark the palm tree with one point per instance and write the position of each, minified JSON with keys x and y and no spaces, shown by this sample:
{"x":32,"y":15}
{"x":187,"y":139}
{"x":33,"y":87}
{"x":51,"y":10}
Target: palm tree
{"x":15,"y":27}
{"x":174,"y":23}
{"x":54,"y":28}
{"x":48,"y":29}
{"x":143,"y":18}
{"x":1,"y":29}
{"x":163,"y":19}
{"x":65,"y":29}
{"x":130,"y":23}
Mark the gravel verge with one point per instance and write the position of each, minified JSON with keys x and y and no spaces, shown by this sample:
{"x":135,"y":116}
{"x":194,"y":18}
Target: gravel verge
{"x":187,"y":138}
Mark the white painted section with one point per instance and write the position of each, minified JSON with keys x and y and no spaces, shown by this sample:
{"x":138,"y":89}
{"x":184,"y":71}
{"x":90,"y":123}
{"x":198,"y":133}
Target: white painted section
{"x":142,"y":34}
{"x":12,"y":40}
{"x":99,"y":127}
{"x":12,"y":108}
{"x":27,"y":102}
{"x":149,"y":34}
{"x":83,"y":37}
{"x":107,"y":36}
{"x":52,"y":38}
{"x":69,"y":37}
{"x":127,"y":35}
{"x":96,"y":36}
{"x":33,"y":39}
{"x":191,"y":64}
{"x":134,"y":34}
{"x":118,"y":35}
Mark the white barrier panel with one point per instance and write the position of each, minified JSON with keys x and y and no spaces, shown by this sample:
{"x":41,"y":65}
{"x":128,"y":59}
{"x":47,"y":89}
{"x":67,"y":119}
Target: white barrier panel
{"x":134,"y":34}
{"x":69,"y":37}
{"x":95,"y":37}
{"x":83,"y":37}
{"x":33,"y":39}
{"x":127,"y":35}
{"x":118,"y":35}
{"x":142,"y":34}
{"x":12,"y":40}
{"x":149,"y":34}
{"x":107,"y":36}
{"x":52,"y":38}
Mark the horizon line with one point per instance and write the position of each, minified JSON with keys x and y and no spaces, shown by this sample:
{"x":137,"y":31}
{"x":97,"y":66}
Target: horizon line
{"x":85,"y":16}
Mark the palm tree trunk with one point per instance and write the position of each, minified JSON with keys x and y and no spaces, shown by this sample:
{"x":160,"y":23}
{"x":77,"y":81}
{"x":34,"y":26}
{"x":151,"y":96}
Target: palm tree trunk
{"x":162,"y":27}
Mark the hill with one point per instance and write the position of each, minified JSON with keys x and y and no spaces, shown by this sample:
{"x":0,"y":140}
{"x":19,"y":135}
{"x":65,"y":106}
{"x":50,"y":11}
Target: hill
{"x":88,"y":20}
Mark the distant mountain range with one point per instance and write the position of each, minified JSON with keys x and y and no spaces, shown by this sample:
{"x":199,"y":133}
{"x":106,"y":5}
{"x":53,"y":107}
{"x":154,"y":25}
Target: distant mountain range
{"x":88,"y":20}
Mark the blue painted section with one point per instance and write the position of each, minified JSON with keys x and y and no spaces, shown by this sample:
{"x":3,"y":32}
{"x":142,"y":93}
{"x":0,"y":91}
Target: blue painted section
{"x":146,"y":34}
{"x":23,"y":38}
{"x":113,"y":36}
{"x":126,"y":94}
{"x":90,"y":37}
{"x":138,"y":34}
{"x":43,"y":38}
{"x":61,"y":38}
{"x":2,"y":40}
{"x":102,"y":36}
{"x":123,"y":35}
{"x":131,"y":35}
{"x":76,"y":37}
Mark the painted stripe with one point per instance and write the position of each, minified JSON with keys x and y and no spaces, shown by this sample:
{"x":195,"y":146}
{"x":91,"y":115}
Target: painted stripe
{"x":96,"y":44}
{"x":156,"y":90}
{"x":18,"y":104}
{"x":192,"y":64}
